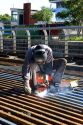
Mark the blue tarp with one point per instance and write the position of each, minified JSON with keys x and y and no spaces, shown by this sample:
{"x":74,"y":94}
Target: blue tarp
{"x":57,"y":10}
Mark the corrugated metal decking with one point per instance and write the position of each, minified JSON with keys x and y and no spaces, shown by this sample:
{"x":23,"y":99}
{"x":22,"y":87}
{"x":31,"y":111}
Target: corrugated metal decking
{"x":23,"y":109}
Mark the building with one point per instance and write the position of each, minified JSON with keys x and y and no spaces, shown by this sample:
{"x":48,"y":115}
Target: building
{"x":22,"y":16}
{"x":56,"y":6}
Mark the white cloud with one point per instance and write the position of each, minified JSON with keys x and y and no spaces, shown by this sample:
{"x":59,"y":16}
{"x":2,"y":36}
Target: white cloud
{"x":37,"y":4}
{"x":5,"y":5}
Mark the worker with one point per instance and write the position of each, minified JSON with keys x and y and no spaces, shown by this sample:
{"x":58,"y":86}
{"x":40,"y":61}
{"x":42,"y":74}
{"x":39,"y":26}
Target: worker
{"x":40,"y":58}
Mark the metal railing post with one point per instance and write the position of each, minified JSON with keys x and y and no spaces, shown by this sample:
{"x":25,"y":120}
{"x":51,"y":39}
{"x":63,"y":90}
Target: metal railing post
{"x":29,"y":38}
{"x":66,"y":48}
{"x":1,"y":41}
{"x":14,"y":41}
{"x":46,"y":37}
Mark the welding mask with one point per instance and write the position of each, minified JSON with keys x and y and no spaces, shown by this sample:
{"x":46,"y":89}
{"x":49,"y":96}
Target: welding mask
{"x":40,"y":55}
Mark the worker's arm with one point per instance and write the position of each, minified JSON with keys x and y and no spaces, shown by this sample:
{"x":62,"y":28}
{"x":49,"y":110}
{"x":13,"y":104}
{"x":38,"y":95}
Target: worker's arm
{"x":26,"y":65}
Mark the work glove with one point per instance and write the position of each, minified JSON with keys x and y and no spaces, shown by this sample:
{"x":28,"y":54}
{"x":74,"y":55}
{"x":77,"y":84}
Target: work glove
{"x":27,"y":90}
{"x":27,"y":87}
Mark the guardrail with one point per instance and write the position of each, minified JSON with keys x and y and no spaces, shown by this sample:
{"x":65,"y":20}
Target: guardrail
{"x":60,"y":39}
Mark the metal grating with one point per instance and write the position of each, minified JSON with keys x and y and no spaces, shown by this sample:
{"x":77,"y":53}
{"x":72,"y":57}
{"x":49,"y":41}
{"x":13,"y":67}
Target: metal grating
{"x":23,"y":109}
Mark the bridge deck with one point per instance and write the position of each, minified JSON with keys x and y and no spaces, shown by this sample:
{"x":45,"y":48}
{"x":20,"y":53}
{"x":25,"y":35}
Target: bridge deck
{"x":20,"y":109}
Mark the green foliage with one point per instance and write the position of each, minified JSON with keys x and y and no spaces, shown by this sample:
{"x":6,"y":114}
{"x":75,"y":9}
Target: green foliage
{"x":7,"y":30}
{"x":5,"y":18}
{"x":73,"y":14}
{"x":76,"y":38}
{"x":45,"y":14}
{"x":21,"y":34}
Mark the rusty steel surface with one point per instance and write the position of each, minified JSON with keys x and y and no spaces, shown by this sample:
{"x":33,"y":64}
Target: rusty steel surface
{"x":21,"y":109}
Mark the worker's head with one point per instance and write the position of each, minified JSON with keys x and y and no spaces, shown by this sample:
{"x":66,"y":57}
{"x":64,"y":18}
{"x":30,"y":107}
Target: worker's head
{"x":40,"y":55}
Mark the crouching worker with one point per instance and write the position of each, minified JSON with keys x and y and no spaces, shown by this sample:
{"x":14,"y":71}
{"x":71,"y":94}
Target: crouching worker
{"x":39,"y":58}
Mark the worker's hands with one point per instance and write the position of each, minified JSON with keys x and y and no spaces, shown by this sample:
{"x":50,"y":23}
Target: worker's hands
{"x":27,"y":87}
{"x":27,"y":90}
{"x":46,"y":83}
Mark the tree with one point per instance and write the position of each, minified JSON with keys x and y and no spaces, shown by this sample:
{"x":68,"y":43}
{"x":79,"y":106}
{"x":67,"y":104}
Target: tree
{"x":45,"y":14}
{"x":5,"y":18}
{"x":73,"y":14}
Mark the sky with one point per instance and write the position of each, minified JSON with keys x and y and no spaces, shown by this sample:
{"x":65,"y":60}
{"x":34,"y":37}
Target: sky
{"x":5,"y":5}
